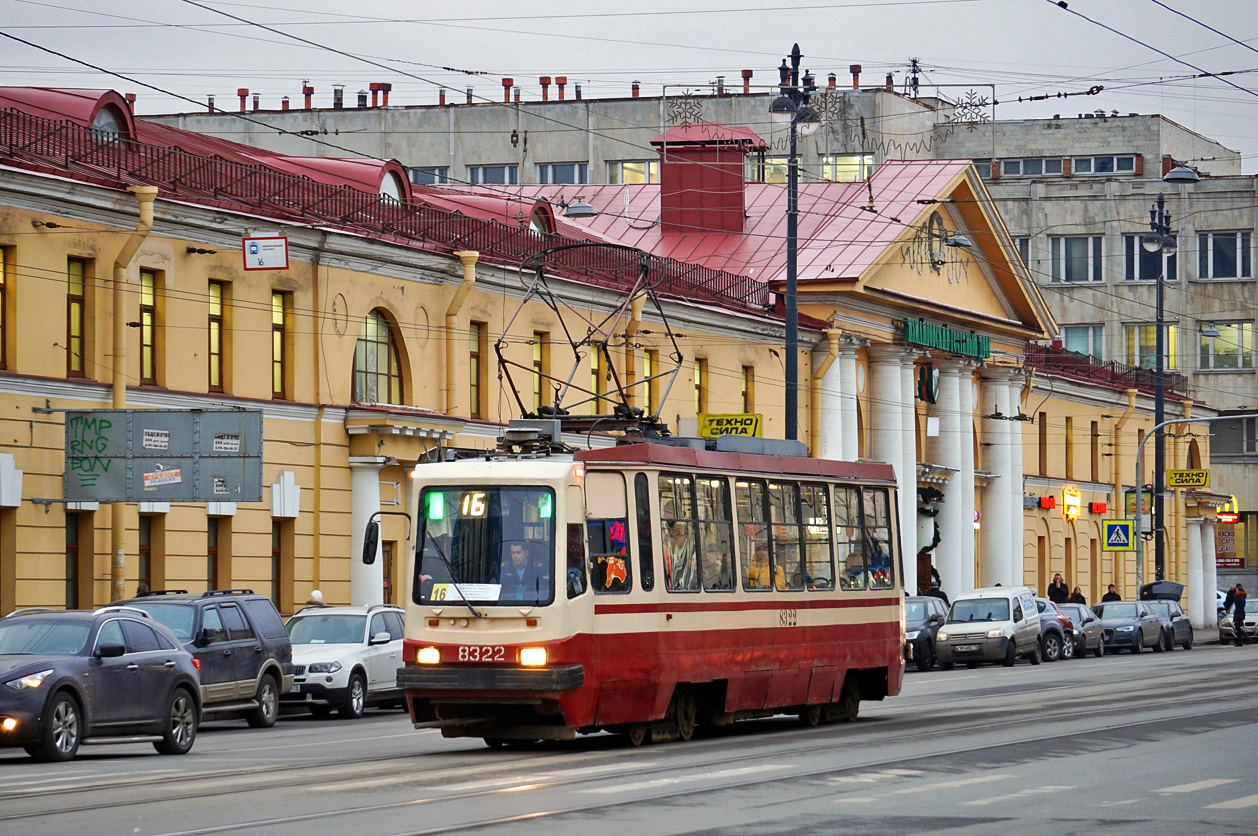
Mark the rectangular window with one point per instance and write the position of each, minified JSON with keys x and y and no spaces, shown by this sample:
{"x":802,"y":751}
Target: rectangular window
{"x":1031,"y":167}
{"x":849,"y":541}
{"x":716,"y":531}
{"x":1070,"y":447}
{"x":559,"y":173}
{"x":787,"y":535}
{"x":1024,"y":249}
{"x":1249,"y":435}
{"x":216,"y":334}
{"x":148,"y":327}
{"x":500,"y":175}
{"x":749,"y":389}
{"x":847,"y":168}
{"x":633,"y":172}
{"x":144,"y":572}
{"x":771,"y":170}
{"x":701,"y":385}
{"x":1076,"y":258}
{"x":1224,"y":255}
{"x":76,"y":315}
{"x":1106,"y":164}
{"x":430,"y":175}
{"x":281,"y":314}
{"x":646,"y":538}
{"x":1085,"y":339}
{"x":477,"y":349}
{"x":541,"y":368}
{"x":1144,"y":266}
{"x":815,"y":515}
{"x":751,"y":502}
{"x":984,"y":169}
{"x":1233,"y":348}
{"x":1141,"y":343}
{"x":877,"y":520}
{"x":679,"y":532}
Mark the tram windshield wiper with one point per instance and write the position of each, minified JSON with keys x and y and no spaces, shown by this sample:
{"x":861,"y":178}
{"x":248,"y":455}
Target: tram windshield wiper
{"x":450,"y":569}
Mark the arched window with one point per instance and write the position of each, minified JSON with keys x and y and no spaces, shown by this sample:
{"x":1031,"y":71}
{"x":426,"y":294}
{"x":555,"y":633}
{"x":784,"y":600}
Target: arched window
{"x":108,"y":125}
{"x":377,"y":378}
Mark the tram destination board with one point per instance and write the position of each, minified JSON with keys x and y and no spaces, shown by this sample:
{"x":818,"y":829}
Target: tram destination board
{"x":163,"y":455}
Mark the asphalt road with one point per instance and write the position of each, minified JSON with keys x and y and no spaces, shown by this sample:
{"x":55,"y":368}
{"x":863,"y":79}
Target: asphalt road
{"x":1155,"y":743}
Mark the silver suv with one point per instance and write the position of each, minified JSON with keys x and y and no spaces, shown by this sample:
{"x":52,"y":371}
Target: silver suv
{"x":345,"y":658}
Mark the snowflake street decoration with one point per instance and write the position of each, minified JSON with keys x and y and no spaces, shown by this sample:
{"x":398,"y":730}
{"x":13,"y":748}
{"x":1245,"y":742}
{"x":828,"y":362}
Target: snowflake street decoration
{"x":829,"y":106}
{"x":685,"y":109}
{"x":972,"y":110}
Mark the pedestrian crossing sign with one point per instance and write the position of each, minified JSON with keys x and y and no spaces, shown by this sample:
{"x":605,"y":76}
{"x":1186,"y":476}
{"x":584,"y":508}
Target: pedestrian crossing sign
{"x":1118,"y":535}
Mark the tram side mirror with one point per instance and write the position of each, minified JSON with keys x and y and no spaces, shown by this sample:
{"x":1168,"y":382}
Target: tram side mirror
{"x":371,"y":542}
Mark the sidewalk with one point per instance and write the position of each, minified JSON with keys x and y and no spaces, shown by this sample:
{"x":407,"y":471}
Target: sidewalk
{"x":1205,"y":635}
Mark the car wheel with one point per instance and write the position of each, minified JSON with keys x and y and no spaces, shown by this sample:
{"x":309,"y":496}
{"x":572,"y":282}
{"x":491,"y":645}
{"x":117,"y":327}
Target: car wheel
{"x":1100,"y":648}
{"x":1011,"y":655}
{"x":1161,"y":643}
{"x":1035,"y":654}
{"x":268,"y":710}
{"x":926,"y":660}
{"x":1052,"y":647}
{"x":1170,"y":641}
{"x":971,"y":665}
{"x":1068,"y":648}
{"x":59,"y":740}
{"x":355,"y":698}
{"x":1139,"y":643}
{"x":321,"y":711}
{"x":946,"y":666}
{"x":181,"y":725}
{"x":1187,"y":645}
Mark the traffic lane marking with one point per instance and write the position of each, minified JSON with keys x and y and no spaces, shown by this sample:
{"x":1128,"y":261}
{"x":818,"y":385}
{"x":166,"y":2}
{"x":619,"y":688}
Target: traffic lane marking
{"x":1199,"y":785}
{"x":505,"y":782}
{"x":961,"y":782}
{"x":1013,"y":796}
{"x":1235,"y":803}
{"x":707,"y":776}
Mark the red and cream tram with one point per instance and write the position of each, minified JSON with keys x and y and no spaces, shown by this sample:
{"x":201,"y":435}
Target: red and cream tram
{"x":648,"y":587}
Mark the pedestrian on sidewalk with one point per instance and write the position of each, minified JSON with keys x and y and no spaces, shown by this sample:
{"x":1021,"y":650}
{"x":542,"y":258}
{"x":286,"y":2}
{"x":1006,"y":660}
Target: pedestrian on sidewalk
{"x":1238,"y":614}
{"x":1112,"y":595}
{"x":1076,"y":597}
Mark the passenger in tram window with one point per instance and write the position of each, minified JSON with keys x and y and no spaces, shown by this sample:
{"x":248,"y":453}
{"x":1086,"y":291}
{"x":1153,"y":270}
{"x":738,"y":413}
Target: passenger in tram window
{"x":679,"y":556}
{"x":716,"y":569}
{"x":879,"y":565}
{"x":760,"y":576}
{"x":853,"y":576}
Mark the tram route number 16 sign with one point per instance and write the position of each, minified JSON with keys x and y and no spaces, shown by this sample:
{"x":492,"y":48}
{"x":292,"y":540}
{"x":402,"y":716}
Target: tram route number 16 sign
{"x":265,"y":252}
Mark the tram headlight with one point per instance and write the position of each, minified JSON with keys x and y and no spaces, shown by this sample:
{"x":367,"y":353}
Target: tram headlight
{"x":532,"y":657}
{"x":941,"y":636}
{"x":428,"y":656}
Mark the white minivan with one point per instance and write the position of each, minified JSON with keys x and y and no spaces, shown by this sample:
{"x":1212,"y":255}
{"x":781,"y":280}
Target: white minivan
{"x":993,"y":624}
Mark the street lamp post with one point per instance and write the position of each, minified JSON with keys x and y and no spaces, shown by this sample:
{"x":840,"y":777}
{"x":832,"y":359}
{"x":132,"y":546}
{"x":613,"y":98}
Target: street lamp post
{"x":791,"y":108}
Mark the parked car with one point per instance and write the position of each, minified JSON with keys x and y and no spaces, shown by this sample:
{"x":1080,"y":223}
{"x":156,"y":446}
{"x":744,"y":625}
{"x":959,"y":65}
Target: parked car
{"x":1129,"y":625}
{"x":1219,"y":597}
{"x":993,"y":624}
{"x":1176,"y":626}
{"x":239,"y":640}
{"x":1089,"y":633}
{"x":1055,"y":627}
{"x":72,"y":676}
{"x":345,"y":658}
{"x":1227,"y":630}
{"x":923,"y":616}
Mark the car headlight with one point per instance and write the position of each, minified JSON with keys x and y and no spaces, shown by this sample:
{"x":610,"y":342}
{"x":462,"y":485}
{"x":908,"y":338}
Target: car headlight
{"x":1125,"y":629}
{"x":31,"y":680}
{"x":323,"y":667}
{"x":995,"y":633}
{"x":941,"y":636}
{"x":911,"y":635}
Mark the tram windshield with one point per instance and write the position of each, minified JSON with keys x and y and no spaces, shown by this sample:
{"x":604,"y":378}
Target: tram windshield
{"x":486,"y":545}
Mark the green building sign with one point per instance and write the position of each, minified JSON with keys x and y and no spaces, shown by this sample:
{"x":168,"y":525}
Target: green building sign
{"x":920,"y":332}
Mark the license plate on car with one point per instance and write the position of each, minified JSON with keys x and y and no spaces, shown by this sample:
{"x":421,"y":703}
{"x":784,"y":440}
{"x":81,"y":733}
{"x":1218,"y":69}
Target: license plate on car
{"x":965,"y":648}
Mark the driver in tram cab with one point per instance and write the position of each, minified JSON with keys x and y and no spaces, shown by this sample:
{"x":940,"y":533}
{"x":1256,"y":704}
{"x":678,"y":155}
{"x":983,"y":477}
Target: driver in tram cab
{"x":520,"y":577}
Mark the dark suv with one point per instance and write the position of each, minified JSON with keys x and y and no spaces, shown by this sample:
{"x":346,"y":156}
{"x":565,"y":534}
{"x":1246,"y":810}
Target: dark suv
{"x":240,"y":641}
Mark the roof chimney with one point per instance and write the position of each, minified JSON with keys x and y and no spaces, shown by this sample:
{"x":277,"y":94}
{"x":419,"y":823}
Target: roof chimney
{"x":506,"y":88}
{"x":385,"y":88}
{"x":545,"y":82}
{"x":890,"y":82}
{"x":833,"y":81}
{"x":284,"y":103}
{"x":338,"y":96}
{"x":469,"y":95}
{"x":130,"y":97}
{"x":307,"y":91}
{"x":855,"y":69}
{"x":637,"y":85}
{"x":746,"y":82}
{"x":257,"y":102}
{"x":701,"y":177}
{"x":720,"y":85}
{"x":362,"y":98}
{"x":560,"y":81}
{"x":243,"y":93}
{"x":577,"y":89}
{"x":515,"y":93}
{"x":209,"y":103}
{"x":441,"y":96}
{"x":374,"y":87}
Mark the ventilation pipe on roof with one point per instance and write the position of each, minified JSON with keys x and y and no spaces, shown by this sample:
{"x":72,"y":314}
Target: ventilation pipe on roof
{"x":506,"y":89}
{"x":833,"y":81}
{"x":338,"y":96}
{"x":890,"y":82}
{"x":385,"y":88}
{"x":362,"y":99}
{"x":122,"y":292}
{"x":746,"y":82}
{"x":308,"y":92}
{"x":469,"y":95}
{"x":130,"y":97}
{"x":720,"y":85}
{"x":243,"y":93}
{"x":441,"y":96}
{"x":576,"y":92}
{"x":855,"y":69}
{"x":374,"y":87}
{"x":257,"y":101}
{"x":637,"y":86}
{"x":545,"y":82}
{"x":515,"y":93}
{"x":561,"y":81}
{"x":284,"y":103}
{"x":209,"y":103}
{"x":468,"y":257}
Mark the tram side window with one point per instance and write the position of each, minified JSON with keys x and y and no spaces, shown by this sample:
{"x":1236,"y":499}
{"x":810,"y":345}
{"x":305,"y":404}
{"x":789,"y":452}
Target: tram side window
{"x":679,"y":530}
{"x":609,"y":555}
{"x":815,"y":508}
{"x":878,"y":538}
{"x":752,"y":503}
{"x":576,"y":560}
{"x":646,"y":538}
{"x":848,"y":545}
{"x":716,"y":527}
{"x":786,"y":552}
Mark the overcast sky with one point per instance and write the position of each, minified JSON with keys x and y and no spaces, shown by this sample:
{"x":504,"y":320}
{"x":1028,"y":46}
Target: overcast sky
{"x":1023,"y":47}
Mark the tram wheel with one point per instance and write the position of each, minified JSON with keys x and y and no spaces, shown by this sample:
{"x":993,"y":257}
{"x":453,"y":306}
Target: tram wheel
{"x":685,"y":712}
{"x":636,"y":734}
{"x":849,"y":703}
{"x":811,"y":715}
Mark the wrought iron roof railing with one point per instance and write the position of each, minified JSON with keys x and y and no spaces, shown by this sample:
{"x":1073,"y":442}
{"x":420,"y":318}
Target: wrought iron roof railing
{"x":1113,"y":374}
{"x":63,"y":147}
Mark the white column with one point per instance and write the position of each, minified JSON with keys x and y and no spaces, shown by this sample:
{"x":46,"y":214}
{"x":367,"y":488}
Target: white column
{"x":1017,"y":517}
{"x":366,"y":583}
{"x":850,"y":449}
{"x":996,"y":496}
{"x":829,"y":405}
{"x":945,"y":449}
{"x":965,"y":479}
{"x":1196,"y":610}
{"x":908,"y":493}
{"x":886,"y":420}
{"x":1209,"y":572}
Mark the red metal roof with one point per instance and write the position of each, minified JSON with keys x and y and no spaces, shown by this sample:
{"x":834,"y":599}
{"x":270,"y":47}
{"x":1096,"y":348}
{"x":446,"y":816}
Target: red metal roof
{"x":709,"y":133}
